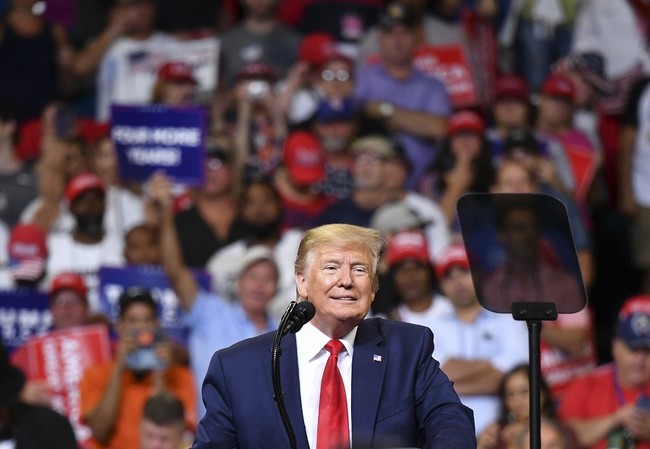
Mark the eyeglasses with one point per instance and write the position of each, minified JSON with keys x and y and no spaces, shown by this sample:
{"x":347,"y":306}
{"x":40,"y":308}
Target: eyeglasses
{"x":366,"y":158}
{"x":214,"y":163}
{"x":331,"y":75}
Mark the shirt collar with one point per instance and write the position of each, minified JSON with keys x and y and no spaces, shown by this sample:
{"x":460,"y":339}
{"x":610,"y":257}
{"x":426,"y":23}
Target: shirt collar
{"x":310,"y":341}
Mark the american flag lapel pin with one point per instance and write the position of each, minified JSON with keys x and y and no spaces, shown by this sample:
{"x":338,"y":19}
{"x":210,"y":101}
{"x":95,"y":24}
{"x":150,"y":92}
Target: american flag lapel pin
{"x":376,"y":358}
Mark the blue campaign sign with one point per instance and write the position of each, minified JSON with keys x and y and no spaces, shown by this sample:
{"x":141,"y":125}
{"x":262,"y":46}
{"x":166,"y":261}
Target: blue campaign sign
{"x":113,"y":281}
{"x":23,"y":314}
{"x":151,"y":138}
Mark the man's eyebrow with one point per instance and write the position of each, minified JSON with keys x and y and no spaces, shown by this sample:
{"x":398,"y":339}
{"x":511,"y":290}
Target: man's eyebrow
{"x":360,"y":263}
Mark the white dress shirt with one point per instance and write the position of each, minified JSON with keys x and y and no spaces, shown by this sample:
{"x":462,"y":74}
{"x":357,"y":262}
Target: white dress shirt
{"x":312,"y":357}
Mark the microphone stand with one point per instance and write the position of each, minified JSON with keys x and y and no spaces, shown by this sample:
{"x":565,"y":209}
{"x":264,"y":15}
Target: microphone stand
{"x":534,"y":313}
{"x":278,"y":395}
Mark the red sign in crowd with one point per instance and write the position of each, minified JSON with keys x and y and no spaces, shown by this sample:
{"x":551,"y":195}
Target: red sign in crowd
{"x":60,"y":359}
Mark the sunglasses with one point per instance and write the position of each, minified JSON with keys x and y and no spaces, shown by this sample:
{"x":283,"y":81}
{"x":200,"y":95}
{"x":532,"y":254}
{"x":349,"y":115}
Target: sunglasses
{"x":331,"y":75}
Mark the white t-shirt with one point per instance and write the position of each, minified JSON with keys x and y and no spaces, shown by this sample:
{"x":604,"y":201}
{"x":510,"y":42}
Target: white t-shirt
{"x":440,"y":305}
{"x":66,"y":254}
{"x":123,"y":211}
{"x":128,"y":71}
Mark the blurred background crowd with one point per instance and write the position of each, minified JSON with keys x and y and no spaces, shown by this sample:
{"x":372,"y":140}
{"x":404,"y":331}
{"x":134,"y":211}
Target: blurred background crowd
{"x":368,"y":112}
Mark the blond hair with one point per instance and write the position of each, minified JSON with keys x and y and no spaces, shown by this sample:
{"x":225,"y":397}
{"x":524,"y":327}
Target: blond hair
{"x":341,"y":235}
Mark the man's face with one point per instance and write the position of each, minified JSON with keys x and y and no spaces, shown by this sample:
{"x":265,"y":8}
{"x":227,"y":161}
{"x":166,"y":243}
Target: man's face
{"x":457,"y":285}
{"x":69,"y":309}
{"x":88,"y":209}
{"x":339,"y":282}
{"x":367,"y":170}
{"x":413,"y":282}
{"x":511,"y":113}
{"x":260,"y":9}
{"x":154,"y":436}
{"x":335,"y":136}
{"x":632,"y":366}
{"x":397,"y":45}
{"x":520,"y":234}
{"x":91,"y":202}
{"x":257,"y":285}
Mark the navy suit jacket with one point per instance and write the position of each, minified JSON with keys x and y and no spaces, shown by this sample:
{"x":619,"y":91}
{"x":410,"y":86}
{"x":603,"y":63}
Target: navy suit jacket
{"x":400,"y":397}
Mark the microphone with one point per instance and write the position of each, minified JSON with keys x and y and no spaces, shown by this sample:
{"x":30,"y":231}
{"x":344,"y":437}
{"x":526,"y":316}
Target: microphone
{"x":298,"y":316}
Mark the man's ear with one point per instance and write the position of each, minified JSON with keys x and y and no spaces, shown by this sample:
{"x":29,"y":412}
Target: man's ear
{"x":301,"y":285}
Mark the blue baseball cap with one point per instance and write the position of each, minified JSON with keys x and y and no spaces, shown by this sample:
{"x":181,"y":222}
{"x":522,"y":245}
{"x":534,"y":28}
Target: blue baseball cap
{"x":634,"y":322}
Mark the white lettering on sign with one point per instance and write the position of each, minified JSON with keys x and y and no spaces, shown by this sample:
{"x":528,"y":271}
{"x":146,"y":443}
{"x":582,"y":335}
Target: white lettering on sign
{"x":168,"y":136}
{"x":18,"y":325}
{"x":168,"y":157}
{"x":8,"y":319}
{"x":52,"y":364}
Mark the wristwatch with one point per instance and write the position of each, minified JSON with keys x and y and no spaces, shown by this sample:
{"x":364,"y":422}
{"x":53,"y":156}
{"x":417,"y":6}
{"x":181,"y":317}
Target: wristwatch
{"x":386,"y":110}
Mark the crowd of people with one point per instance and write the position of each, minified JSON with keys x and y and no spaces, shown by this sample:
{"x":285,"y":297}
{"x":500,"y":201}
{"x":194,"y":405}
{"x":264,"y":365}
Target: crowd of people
{"x":375,"y":113}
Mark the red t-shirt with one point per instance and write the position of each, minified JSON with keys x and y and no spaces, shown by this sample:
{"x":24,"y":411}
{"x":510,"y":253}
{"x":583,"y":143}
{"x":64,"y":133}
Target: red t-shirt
{"x":594,"y":396}
{"x":559,"y":368}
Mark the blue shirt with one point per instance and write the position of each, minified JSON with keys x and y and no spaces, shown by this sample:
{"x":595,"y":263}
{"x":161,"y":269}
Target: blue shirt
{"x":418,"y":92}
{"x":213,"y":324}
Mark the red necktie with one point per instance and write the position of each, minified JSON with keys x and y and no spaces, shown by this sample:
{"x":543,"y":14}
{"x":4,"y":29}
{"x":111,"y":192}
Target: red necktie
{"x":333,"y":430}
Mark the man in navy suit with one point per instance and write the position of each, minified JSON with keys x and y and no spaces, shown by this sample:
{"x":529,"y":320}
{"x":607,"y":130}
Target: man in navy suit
{"x":396,"y":394}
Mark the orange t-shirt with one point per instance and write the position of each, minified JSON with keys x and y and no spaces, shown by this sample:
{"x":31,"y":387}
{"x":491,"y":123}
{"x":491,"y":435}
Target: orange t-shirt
{"x":177,"y":379}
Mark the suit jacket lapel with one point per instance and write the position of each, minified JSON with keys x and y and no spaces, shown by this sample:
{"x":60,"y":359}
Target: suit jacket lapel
{"x":290,"y":388}
{"x":368,"y":367}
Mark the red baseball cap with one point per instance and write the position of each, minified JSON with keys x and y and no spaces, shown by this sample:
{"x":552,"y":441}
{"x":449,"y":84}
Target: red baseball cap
{"x":452,"y":256}
{"x":559,"y":86}
{"x":466,"y":121}
{"x":511,"y":86}
{"x":304,"y":158}
{"x":316,"y":47}
{"x":177,"y":71}
{"x":27,"y":240}
{"x":68,"y":281}
{"x":82,"y":183}
{"x":408,"y":245}
{"x":27,"y":252}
